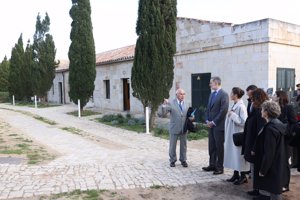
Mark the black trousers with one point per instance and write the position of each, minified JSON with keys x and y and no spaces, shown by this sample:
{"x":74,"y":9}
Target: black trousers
{"x":216,"y":148}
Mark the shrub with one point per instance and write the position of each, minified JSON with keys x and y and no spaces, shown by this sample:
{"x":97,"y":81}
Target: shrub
{"x":4,"y":97}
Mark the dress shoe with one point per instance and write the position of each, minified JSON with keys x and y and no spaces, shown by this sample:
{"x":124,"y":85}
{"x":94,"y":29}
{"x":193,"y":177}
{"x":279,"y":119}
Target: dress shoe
{"x":184,"y":164}
{"x":285,"y":189}
{"x":253,"y":193}
{"x":240,"y":181}
{"x":234,"y":177}
{"x":262,"y":197}
{"x":209,"y":168}
{"x":217,"y":172}
{"x":172,"y":164}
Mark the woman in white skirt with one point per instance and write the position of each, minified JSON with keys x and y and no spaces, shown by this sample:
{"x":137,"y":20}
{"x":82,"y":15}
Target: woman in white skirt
{"x":234,"y":123}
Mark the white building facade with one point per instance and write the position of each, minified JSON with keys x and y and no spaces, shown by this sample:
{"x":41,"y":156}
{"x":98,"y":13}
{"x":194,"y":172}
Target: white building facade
{"x":265,"y":53}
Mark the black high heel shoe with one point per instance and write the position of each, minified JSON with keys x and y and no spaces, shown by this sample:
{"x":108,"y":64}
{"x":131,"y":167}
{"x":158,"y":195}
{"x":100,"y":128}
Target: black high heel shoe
{"x":234,"y":177}
{"x":241,"y":181}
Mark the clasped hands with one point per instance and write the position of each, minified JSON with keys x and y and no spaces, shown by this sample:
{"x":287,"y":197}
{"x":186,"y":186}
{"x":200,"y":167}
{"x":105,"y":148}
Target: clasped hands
{"x":210,"y":124}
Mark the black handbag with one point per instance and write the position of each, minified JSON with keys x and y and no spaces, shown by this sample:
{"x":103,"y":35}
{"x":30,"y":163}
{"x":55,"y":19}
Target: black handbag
{"x":238,"y":138}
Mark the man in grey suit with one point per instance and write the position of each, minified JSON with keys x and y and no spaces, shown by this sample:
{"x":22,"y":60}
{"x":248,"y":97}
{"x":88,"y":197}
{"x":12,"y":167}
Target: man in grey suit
{"x":178,"y":111}
{"x":215,"y":119}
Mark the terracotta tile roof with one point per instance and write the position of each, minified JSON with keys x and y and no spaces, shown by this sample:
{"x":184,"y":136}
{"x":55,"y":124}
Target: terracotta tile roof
{"x":116,"y":55}
{"x":63,"y":66}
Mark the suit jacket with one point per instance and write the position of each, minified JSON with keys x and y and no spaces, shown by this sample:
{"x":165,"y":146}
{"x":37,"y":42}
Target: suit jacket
{"x":177,"y":117}
{"x":216,"y":112}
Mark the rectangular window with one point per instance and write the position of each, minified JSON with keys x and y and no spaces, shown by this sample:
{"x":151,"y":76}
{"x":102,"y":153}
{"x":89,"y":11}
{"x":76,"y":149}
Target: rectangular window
{"x":107,"y":89}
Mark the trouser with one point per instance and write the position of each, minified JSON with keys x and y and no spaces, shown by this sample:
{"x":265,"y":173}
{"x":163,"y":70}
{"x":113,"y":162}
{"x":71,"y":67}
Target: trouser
{"x":275,"y":196}
{"x":173,"y":144}
{"x":216,"y":148}
{"x":252,"y":175}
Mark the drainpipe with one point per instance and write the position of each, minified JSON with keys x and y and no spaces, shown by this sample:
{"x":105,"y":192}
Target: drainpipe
{"x":64,"y":98}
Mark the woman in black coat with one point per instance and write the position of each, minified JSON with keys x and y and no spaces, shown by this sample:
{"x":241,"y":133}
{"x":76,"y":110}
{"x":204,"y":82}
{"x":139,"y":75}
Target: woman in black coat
{"x":253,"y":125}
{"x":287,"y":116}
{"x":271,"y":166}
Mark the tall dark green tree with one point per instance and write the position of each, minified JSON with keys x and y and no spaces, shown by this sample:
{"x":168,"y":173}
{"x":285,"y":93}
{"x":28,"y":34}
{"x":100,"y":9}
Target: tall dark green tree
{"x":15,"y":78}
{"x":28,"y":69}
{"x":82,"y":56}
{"x":4,"y":72}
{"x":152,"y":72}
{"x":43,"y":51}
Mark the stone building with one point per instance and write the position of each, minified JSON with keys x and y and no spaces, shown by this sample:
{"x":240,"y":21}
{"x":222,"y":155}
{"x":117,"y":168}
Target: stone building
{"x":264,"y":52}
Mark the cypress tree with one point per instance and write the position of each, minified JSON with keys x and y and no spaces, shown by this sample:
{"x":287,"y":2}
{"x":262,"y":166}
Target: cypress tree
{"x":15,"y":83}
{"x":27,"y":72}
{"x":4,"y":72}
{"x":44,"y":52}
{"x":152,"y":72}
{"x":82,"y":72}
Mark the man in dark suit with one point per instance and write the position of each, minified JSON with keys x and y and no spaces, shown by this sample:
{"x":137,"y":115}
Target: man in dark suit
{"x":249,"y":90}
{"x":178,"y":111}
{"x":217,"y":108}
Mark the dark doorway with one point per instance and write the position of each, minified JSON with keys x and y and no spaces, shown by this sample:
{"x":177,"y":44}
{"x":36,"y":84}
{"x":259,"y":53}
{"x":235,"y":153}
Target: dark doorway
{"x":286,"y":80}
{"x":126,"y":94}
{"x":60,"y":92}
{"x":200,"y":94}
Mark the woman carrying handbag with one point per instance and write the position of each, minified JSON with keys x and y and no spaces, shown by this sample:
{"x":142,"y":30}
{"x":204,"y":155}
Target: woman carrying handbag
{"x":234,"y":123}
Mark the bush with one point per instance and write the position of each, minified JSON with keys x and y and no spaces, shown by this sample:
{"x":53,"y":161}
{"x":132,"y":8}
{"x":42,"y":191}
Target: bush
{"x":4,"y":97}
{"x":108,"y":118}
{"x":131,"y":122}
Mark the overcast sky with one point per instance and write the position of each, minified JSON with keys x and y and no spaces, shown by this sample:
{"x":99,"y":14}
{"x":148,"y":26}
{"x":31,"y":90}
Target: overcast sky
{"x":114,"y":20}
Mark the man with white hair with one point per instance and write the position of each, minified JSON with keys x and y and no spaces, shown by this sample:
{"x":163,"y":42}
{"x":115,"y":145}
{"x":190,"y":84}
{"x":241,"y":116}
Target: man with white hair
{"x":178,"y":112}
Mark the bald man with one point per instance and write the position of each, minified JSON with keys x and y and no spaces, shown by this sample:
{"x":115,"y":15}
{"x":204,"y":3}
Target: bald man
{"x":178,"y":111}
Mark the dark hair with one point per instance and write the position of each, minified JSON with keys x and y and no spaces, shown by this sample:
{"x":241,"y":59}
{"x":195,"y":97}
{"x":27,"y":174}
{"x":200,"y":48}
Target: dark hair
{"x":238,"y":92}
{"x":258,"y":97}
{"x":251,"y":87}
{"x":283,"y":98}
{"x":216,"y":79}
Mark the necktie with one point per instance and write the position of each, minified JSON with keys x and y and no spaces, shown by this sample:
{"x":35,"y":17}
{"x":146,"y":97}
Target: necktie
{"x":180,"y":106}
{"x":213,"y":95}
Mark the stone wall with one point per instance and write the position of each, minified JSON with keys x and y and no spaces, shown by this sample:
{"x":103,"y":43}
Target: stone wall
{"x":115,"y":72}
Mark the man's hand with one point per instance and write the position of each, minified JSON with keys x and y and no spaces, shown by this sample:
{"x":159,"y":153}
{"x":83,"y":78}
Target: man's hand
{"x":260,"y":174}
{"x":209,"y":124}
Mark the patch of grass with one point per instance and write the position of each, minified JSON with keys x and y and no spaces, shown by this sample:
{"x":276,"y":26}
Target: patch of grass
{"x":113,"y":194}
{"x":84,"y":113}
{"x":92,"y":195}
{"x":23,"y":146}
{"x":86,"y":195}
{"x":16,"y":144}
{"x":197,"y":135}
{"x":201,"y":133}
{"x":72,"y":130}
{"x":45,"y":120}
{"x":162,"y":133}
{"x":156,"y":186}
{"x":11,"y":151}
{"x":120,"y":121}
{"x":39,"y":104}
{"x":27,"y":140}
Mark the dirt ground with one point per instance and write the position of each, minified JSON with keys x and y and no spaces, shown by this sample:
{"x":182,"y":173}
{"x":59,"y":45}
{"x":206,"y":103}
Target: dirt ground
{"x":208,"y":191}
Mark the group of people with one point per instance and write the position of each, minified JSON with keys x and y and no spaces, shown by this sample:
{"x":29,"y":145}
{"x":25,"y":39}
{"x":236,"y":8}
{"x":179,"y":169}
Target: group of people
{"x":268,"y":127}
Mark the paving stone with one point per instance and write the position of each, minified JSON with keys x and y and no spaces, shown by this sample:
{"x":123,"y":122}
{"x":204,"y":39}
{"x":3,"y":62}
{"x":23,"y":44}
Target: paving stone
{"x":132,"y":161}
